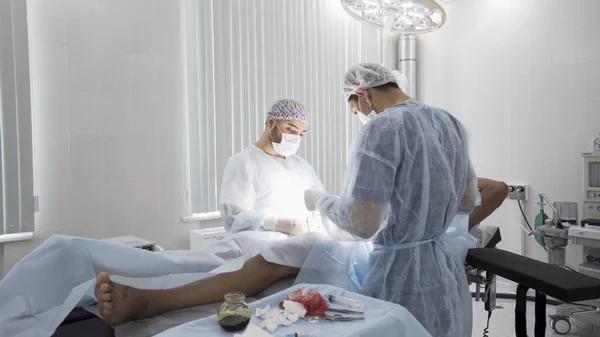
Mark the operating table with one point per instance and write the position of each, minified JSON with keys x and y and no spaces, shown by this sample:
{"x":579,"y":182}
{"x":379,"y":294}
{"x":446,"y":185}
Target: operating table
{"x":483,"y":265}
{"x":546,"y":279}
{"x":81,"y":322}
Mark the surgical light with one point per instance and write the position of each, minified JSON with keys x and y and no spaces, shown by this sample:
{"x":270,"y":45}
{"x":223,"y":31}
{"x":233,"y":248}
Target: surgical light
{"x":398,"y":16}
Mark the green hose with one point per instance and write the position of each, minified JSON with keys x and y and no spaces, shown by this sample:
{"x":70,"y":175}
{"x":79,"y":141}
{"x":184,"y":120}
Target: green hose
{"x":540,"y":220}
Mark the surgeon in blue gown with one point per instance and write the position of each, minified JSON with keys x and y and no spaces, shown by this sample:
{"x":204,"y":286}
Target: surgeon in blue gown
{"x":409,"y":178}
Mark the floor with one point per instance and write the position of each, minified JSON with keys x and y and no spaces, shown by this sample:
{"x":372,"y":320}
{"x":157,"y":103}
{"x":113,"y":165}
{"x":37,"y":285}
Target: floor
{"x":502,"y":321}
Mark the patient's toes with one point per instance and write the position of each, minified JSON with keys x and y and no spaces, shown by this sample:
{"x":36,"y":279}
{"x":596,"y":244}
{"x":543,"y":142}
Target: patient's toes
{"x":105,"y":287}
{"x":102,"y":278}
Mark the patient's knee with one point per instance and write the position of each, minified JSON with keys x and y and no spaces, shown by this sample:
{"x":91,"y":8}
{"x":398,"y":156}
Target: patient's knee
{"x":64,"y":243}
{"x":258,"y":265}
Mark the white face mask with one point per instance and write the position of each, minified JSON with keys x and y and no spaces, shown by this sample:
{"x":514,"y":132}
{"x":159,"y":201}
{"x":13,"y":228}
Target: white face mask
{"x":364,"y":119}
{"x":289,"y":144}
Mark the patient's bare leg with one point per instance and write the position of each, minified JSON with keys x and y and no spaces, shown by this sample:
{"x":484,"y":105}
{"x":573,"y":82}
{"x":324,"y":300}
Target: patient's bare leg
{"x":118,"y":303}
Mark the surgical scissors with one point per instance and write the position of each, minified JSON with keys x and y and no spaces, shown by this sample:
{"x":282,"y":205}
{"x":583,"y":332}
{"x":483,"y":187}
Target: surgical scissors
{"x":346,"y":311}
{"x":340,"y":318}
{"x":332,"y":318}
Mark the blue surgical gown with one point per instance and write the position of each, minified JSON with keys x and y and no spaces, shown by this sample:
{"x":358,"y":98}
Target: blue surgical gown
{"x":411,"y":166}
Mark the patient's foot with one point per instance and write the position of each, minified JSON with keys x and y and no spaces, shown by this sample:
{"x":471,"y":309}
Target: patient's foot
{"x":118,"y":303}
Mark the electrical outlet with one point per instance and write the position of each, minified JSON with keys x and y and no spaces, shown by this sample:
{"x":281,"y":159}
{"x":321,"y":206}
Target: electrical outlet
{"x":517,"y":192}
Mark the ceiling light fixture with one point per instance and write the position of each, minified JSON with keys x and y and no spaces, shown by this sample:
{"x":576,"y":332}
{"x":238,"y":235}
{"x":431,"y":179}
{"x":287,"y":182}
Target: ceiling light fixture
{"x":398,"y":16}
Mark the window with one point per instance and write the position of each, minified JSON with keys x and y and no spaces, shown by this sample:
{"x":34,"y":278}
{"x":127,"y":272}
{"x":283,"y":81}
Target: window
{"x":243,"y":55}
{"x":16,"y":180}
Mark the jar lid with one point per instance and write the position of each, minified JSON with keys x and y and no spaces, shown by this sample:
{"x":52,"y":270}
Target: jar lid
{"x":234,"y":297}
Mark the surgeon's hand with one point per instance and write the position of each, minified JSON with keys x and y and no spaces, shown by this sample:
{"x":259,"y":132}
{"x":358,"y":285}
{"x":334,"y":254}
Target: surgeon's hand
{"x":311,"y":196}
{"x":286,"y":225}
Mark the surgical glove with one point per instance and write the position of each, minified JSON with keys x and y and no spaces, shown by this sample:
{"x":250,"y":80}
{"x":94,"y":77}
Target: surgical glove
{"x":286,"y":225}
{"x":311,"y":197}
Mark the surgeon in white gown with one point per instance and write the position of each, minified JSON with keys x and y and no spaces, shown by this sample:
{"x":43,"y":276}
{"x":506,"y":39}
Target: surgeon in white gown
{"x":263,"y":185}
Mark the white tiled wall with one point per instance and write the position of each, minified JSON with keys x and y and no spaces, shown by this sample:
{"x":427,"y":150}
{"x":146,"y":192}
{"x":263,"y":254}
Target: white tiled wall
{"x":524,"y":76}
{"x":109,"y":120}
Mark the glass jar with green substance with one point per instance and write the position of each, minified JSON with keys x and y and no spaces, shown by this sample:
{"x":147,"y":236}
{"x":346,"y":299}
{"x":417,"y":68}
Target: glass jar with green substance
{"x":234,"y":314}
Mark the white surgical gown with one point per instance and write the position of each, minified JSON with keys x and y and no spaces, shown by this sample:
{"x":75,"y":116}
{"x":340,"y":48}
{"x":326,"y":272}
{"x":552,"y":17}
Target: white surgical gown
{"x":257,"y":185}
{"x":411,"y":172}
